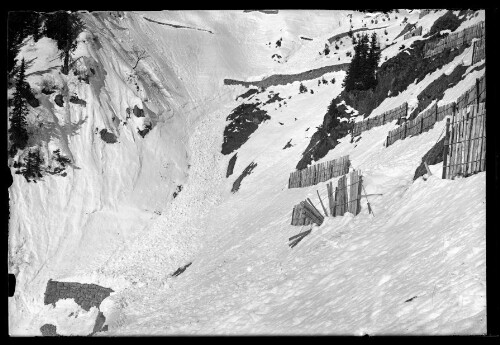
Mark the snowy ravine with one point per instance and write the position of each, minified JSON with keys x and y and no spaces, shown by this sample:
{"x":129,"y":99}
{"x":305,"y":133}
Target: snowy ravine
{"x":415,"y":266}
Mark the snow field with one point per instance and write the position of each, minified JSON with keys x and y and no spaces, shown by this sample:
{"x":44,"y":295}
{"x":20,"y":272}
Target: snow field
{"x":352,"y":275}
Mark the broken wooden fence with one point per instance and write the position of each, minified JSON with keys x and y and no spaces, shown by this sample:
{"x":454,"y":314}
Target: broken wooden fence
{"x":465,"y":142}
{"x":479,"y":51}
{"x":317,"y":173}
{"x":426,"y":119}
{"x":380,"y":120}
{"x":454,"y":40}
{"x":413,"y":33}
{"x":344,"y":198}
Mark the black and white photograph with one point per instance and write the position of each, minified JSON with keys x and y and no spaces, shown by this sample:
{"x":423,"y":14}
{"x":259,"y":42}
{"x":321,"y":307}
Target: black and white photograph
{"x":234,"y":172}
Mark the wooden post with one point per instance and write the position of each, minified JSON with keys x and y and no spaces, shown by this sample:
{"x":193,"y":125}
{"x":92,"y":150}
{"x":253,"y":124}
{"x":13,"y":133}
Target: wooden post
{"x":473,"y":52}
{"x":445,"y":150}
{"x":470,"y":121}
{"x":335,"y":208}
{"x":358,"y":197}
{"x":321,"y":202}
{"x":477,"y":90}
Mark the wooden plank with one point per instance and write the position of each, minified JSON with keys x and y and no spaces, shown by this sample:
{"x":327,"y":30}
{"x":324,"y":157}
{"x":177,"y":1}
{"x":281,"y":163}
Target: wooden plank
{"x":313,"y":208}
{"x":321,"y":202}
{"x":331,"y":201}
{"x":335,"y":204}
{"x":476,"y":142}
{"x":308,"y":210}
{"x":302,"y":234}
{"x":450,"y":146}
{"x":342,"y":196}
{"x":482,"y":155}
{"x":471,"y":139}
{"x":461,"y":144}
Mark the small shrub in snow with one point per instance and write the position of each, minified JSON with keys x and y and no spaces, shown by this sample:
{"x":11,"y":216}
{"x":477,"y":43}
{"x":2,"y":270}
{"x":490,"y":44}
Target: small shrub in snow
{"x":302,"y":88}
{"x":402,"y":47}
{"x":61,"y":159}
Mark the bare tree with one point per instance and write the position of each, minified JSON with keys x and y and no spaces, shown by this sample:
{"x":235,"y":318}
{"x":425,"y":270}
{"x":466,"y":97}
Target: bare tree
{"x":139,"y":54}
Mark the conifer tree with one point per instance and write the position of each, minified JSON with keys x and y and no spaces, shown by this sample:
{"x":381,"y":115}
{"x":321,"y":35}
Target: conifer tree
{"x":64,"y":28}
{"x":361,"y":72}
{"x":20,"y":24}
{"x":17,"y":132}
{"x":32,"y":168}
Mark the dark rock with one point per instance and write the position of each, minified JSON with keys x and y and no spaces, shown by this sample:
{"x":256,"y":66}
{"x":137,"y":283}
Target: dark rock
{"x":231,"y":164}
{"x":245,"y":119}
{"x":48,"y":91}
{"x":275,"y":98}
{"x":246,"y":172}
{"x":433,"y":156}
{"x":181,"y":270}
{"x":288,"y":144}
{"x":76,"y":100}
{"x":283,"y":79}
{"x":143,"y":132}
{"x":49,"y":330}
{"x":59,"y":100}
{"x":108,"y":137}
{"x":178,"y":190}
{"x":138,"y":112}
{"x":327,"y":135}
{"x":248,"y":93}
{"x":436,"y":89}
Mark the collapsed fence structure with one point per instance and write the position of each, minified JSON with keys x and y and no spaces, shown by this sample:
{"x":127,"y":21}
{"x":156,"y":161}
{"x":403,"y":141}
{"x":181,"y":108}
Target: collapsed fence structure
{"x":380,"y":120}
{"x":454,"y":40}
{"x":465,"y":142}
{"x":413,"y":33}
{"x":317,"y":173}
{"x":344,"y":198}
{"x":479,"y":51}
{"x":426,"y":120}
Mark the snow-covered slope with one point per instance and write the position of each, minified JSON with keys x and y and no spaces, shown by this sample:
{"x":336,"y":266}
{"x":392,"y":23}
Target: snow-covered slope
{"x":113,"y":220}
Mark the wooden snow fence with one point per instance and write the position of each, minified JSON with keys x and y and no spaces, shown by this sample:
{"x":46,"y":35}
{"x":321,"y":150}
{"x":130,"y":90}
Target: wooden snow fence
{"x":413,"y":33}
{"x":479,"y":51}
{"x":344,"y":198}
{"x":426,"y":119}
{"x":380,"y":120}
{"x":465,"y":142}
{"x":317,"y":173}
{"x":454,"y":40}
